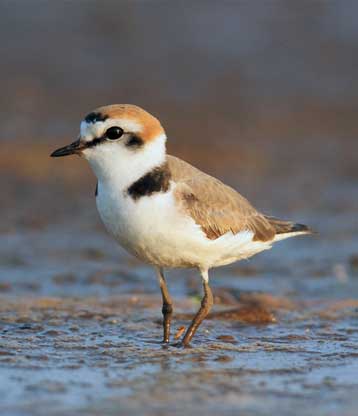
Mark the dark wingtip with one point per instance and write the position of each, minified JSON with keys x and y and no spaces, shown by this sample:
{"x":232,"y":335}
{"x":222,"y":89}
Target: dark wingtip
{"x":286,"y":227}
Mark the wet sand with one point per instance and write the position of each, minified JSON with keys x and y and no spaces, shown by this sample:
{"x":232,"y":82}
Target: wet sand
{"x":81,"y":328}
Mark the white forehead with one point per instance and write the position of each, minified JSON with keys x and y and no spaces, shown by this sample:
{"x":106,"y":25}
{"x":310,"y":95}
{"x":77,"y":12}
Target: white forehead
{"x":90,"y":131}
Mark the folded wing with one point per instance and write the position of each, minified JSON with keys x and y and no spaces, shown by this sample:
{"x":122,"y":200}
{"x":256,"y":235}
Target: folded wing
{"x":216,"y":207}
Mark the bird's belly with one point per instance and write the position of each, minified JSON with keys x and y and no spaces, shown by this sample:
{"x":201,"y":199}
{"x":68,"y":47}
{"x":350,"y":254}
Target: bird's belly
{"x":154,"y":230}
{"x":151,"y":228}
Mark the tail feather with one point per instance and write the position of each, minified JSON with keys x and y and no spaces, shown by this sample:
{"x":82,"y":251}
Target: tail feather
{"x":288,"y":227}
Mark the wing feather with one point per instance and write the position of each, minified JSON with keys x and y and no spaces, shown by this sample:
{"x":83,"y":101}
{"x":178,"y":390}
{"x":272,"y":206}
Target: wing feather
{"x":214,"y":206}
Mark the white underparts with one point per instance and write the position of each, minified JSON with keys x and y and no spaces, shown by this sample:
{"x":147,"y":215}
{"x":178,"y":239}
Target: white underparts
{"x":155,"y":230}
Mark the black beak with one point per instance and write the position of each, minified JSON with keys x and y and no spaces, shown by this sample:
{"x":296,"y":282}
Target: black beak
{"x":71,"y":149}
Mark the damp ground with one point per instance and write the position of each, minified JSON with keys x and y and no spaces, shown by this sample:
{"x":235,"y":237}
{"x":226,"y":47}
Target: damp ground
{"x":80,"y":330}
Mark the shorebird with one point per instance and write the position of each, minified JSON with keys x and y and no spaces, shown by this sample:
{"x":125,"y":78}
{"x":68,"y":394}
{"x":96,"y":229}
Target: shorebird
{"x":165,"y":211}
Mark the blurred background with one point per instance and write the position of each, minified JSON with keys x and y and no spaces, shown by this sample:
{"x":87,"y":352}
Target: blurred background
{"x":262,"y":94}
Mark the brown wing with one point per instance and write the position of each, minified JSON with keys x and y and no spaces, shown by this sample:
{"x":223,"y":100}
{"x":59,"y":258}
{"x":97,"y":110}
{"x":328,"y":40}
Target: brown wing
{"x":216,"y":207}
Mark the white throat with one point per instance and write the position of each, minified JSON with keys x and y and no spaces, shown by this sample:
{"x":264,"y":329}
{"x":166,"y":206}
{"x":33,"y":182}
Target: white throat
{"x":117,"y":165}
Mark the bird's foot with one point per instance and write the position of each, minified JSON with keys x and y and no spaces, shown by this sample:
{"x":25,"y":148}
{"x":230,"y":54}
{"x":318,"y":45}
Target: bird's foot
{"x":181,"y":344}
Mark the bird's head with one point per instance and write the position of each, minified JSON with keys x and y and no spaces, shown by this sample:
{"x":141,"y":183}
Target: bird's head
{"x":119,"y":139}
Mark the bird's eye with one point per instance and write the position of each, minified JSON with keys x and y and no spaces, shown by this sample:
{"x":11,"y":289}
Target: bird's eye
{"x":114,"y":133}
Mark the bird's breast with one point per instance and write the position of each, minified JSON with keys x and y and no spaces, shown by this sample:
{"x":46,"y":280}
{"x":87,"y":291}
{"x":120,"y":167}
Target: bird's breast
{"x":149,"y":227}
{"x":156,"y":230}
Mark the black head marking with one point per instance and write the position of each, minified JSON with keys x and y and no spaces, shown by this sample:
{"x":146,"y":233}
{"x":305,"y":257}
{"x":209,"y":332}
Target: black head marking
{"x":94,"y":117}
{"x":95,"y":142}
{"x":157,"y":180}
{"x":134,"y":142}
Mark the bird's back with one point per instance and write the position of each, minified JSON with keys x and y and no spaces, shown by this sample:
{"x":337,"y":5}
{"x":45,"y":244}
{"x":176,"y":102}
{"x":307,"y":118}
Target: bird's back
{"x":216,"y":207}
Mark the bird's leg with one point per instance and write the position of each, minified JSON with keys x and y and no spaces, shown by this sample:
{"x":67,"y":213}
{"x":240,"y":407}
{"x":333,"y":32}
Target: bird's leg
{"x":206,"y":304}
{"x":167,"y":309}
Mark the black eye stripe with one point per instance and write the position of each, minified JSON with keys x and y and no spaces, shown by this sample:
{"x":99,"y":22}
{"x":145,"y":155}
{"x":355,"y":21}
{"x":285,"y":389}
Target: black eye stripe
{"x":95,"y":142}
{"x":114,"y":133}
{"x":134,"y":141}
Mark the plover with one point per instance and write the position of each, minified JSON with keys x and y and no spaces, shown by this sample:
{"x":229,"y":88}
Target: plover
{"x":165,"y":211}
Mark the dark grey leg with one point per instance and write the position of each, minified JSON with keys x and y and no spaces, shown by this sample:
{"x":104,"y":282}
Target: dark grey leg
{"x":167,"y":309}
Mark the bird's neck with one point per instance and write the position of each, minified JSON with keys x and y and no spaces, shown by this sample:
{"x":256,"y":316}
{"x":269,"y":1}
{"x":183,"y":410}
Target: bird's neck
{"x":122,"y":169}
